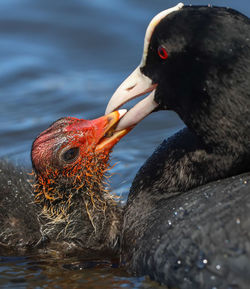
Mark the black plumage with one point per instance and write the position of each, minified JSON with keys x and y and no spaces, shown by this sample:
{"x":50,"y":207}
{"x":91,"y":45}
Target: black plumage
{"x":187,"y":219}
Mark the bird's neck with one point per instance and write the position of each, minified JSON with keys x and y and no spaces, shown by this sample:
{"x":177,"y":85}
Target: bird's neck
{"x":58,"y":190}
{"x":213,"y":98}
{"x":76,"y":201}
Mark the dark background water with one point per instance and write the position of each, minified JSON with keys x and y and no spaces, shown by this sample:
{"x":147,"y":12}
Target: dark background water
{"x":66,"y":58}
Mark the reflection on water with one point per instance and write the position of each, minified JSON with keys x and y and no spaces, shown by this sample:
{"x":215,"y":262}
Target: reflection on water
{"x":34,"y":272}
{"x":61,"y":58}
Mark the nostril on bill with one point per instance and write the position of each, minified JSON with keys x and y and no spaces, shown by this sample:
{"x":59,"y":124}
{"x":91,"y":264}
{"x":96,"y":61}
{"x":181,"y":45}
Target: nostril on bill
{"x":131,"y":87}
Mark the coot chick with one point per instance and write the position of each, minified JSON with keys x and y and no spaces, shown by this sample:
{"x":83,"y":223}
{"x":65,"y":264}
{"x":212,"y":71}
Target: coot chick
{"x":182,"y":227}
{"x":68,"y":208}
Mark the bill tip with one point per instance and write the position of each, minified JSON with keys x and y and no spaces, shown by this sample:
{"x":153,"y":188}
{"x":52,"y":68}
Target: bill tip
{"x":122,"y":112}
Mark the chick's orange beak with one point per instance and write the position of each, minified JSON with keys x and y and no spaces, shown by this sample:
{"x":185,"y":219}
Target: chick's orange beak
{"x":98,"y":134}
{"x":106,"y":136}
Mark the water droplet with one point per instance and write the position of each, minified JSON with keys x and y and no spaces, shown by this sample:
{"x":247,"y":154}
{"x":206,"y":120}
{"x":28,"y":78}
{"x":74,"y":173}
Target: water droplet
{"x":202,"y":261}
{"x":238,"y":221}
{"x":169,"y":222}
{"x":175,"y":213}
{"x":9,"y":183}
{"x":212,"y":277}
{"x":179,"y":262}
{"x":218,"y":267}
{"x":206,"y":195}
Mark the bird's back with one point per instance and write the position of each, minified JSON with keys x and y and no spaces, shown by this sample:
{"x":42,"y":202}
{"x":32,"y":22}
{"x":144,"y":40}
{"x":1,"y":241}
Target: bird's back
{"x":19,"y":224}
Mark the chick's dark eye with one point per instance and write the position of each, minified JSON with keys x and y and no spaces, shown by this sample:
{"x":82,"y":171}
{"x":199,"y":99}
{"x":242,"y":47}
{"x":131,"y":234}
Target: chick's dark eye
{"x":162,"y":52}
{"x":70,"y":155}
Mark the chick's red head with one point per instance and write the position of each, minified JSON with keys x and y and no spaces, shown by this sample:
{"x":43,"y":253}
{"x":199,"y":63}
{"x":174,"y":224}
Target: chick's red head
{"x":70,"y":141}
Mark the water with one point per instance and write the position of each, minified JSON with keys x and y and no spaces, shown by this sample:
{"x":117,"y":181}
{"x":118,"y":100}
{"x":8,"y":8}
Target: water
{"x":66,"y":58}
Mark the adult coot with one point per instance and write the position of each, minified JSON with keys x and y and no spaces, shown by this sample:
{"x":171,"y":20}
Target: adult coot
{"x":187,"y":219}
{"x":68,"y":208}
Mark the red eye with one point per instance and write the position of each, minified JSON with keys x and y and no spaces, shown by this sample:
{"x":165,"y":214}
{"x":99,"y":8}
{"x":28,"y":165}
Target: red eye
{"x":162,"y":52}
